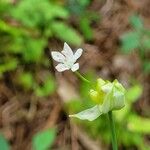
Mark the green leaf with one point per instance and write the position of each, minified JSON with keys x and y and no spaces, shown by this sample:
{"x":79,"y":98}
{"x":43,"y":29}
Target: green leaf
{"x":4,"y":145}
{"x":84,"y":2}
{"x":139,"y":124}
{"x":78,"y":7}
{"x":37,"y":13}
{"x":66,"y":33}
{"x":85,"y":28}
{"x":146,"y":66}
{"x":33,"y":49}
{"x":8,"y":66}
{"x":130,"y":41}
{"x":44,"y":139}
{"x":146,"y":44}
{"x":134,"y":93}
{"x":5,"y":27}
{"x":136,"y":22}
{"x":48,"y":88}
{"x":26,"y":80}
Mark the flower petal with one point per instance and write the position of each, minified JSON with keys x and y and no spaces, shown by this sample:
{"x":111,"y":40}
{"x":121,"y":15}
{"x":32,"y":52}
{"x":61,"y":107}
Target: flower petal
{"x":75,"y":67}
{"x":57,"y":56}
{"x":78,"y":53}
{"x":61,"y":67}
{"x":88,"y":114}
{"x":119,"y":99}
{"x":107,"y":87}
{"x":114,"y":100}
{"x":67,"y":51}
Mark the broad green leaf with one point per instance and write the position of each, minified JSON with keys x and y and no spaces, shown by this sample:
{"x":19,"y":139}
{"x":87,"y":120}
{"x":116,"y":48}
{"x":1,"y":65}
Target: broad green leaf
{"x":44,"y":139}
{"x":130,"y":41}
{"x":4,"y":145}
{"x":66,"y":33}
{"x":134,"y":93}
{"x":136,"y":22}
{"x":139,"y":124}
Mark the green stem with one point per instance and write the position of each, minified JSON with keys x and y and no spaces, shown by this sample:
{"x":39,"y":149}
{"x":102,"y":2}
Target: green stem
{"x":82,"y":78}
{"x":113,"y":132}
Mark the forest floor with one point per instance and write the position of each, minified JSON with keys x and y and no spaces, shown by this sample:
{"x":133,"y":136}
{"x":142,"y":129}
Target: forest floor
{"x":22,"y":114}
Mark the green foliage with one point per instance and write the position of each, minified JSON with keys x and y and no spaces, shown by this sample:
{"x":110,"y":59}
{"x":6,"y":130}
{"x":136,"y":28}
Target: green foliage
{"x":85,"y":28}
{"x":8,"y":65}
{"x":42,"y":15}
{"x":146,"y":66}
{"x":4,"y":145}
{"x":26,"y":80}
{"x":66,"y":33}
{"x":4,"y":5}
{"x":130,"y":41}
{"x":139,"y":124}
{"x":134,"y":93}
{"x":44,"y":139}
{"x":84,"y":17}
{"x":126,"y":119}
{"x":33,"y":51}
{"x":139,"y":39}
{"x":47,"y":88}
{"x":136,"y":22}
{"x":37,"y":13}
{"x":25,"y":29}
{"x":77,"y":6}
{"x":41,"y":89}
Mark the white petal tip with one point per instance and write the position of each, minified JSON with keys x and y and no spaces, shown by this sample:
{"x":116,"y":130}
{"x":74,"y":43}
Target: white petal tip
{"x":53,"y":53}
{"x":78,"y":53}
{"x":66,"y":44}
{"x":75,"y":67}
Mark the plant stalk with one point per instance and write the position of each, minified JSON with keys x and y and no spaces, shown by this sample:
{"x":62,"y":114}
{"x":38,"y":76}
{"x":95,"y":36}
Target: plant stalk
{"x":113,"y":131}
{"x":82,"y":78}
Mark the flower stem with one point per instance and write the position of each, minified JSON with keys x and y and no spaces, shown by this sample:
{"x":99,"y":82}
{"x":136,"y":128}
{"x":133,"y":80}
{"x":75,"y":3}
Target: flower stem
{"x":82,"y":77}
{"x":113,"y":132}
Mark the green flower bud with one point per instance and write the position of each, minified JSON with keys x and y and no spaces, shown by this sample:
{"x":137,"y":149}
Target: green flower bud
{"x":108,"y":96}
{"x":97,"y":97}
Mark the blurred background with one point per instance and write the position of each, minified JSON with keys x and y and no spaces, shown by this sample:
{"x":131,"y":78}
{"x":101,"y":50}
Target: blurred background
{"x":35,"y":100}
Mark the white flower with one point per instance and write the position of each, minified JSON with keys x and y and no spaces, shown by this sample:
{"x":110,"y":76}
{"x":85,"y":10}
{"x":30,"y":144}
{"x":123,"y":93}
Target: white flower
{"x":66,"y":58}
